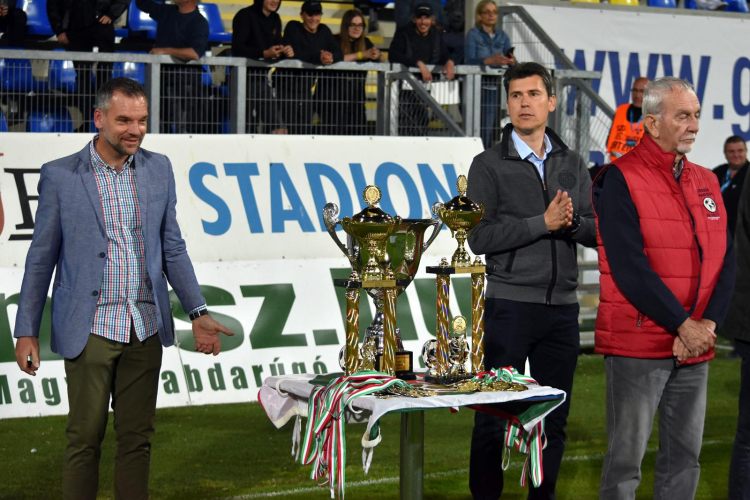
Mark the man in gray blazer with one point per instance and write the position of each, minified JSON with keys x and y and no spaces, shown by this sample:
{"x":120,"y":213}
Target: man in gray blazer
{"x":106,"y":224}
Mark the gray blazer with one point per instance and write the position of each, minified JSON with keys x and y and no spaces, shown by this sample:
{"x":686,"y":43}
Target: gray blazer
{"x":70,"y":238}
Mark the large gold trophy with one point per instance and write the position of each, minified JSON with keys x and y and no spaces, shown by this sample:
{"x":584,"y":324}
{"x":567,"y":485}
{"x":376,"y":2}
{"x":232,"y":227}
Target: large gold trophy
{"x":384,"y":253}
{"x":461,"y":215}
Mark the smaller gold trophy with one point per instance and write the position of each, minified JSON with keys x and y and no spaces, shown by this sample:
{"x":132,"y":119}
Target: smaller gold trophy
{"x":461,"y":215}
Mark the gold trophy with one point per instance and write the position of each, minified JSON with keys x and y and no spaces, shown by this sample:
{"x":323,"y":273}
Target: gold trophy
{"x":461,"y":215}
{"x":373,"y":256}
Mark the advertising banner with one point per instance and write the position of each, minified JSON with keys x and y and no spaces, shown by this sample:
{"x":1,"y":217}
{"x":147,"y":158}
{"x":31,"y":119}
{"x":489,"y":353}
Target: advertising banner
{"x":250,"y":211}
{"x":707,"y":50}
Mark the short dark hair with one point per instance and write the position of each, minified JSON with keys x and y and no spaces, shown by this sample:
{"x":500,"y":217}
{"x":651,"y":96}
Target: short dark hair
{"x":126,"y":86}
{"x":520,"y":71}
{"x":732,"y":139}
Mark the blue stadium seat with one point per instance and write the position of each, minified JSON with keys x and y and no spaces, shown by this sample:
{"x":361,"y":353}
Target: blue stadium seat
{"x":62,"y":76}
{"x":139,"y":23}
{"x":16,"y":76}
{"x":52,"y":121}
{"x":135,"y":71}
{"x":216,"y":31}
{"x":36,"y":11}
{"x":737,"y":6}
{"x":669,"y":4}
{"x":3,"y":122}
{"x":121,"y":32}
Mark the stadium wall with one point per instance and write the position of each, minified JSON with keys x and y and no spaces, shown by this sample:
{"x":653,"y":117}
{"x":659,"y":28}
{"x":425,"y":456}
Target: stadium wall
{"x":250,"y":211}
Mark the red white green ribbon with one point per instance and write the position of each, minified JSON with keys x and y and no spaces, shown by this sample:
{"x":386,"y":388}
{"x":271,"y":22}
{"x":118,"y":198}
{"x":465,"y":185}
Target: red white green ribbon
{"x":324,"y":445}
{"x":530,"y":443}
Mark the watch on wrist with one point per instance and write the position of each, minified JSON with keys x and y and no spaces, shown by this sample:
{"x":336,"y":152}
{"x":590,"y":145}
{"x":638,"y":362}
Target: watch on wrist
{"x":197,"y":314}
{"x":576,"y":223}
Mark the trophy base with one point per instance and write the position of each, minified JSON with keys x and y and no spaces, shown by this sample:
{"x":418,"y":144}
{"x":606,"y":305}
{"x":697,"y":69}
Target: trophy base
{"x":404,"y":365}
{"x":447,"y":379}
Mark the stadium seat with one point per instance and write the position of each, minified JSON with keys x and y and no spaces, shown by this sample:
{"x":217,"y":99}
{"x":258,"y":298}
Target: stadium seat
{"x":587,"y":1}
{"x":139,"y":23}
{"x":3,"y":122}
{"x":632,"y":3}
{"x":52,"y":121}
{"x":16,"y":76}
{"x":737,"y":6}
{"x":216,"y":31}
{"x":135,"y":71}
{"x":62,"y":76}
{"x":36,"y":11}
{"x":669,"y":4}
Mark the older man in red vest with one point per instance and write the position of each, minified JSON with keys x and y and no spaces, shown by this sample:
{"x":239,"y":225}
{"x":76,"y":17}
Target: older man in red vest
{"x":667,"y":274}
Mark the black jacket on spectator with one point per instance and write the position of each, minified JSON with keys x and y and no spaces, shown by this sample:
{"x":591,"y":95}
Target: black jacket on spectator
{"x":307,"y":46}
{"x":175,"y":30}
{"x":253,"y":32}
{"x":59,"y":12}
{"x":731,"y":195}
{"x":408,"y":47}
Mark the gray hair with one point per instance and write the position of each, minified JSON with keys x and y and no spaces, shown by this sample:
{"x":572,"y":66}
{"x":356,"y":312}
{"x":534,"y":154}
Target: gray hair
{"x":653,"y":98}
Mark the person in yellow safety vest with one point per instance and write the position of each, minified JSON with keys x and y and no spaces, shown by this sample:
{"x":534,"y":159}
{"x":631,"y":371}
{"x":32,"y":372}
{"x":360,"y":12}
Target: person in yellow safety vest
{"x":627,"y":125}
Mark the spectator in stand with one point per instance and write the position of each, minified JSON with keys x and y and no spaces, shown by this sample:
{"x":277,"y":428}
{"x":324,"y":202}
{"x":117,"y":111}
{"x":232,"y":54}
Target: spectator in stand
{"x":487,"y":45}
{"x":81,"y":26}
{"x":352,"y":119}
{"x":181,"y":32}
{"x":12,"y":23}
{"x":417,"y":45}
{"x":627,"y":125}
{"x":732,"y":177}
{"x":404,"y":13}
{"x":256,"y":34}
{"x":312,"y":43}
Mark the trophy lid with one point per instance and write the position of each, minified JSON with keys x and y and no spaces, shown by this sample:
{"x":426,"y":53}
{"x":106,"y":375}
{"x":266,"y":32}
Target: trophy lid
{"x":372,"y":213}
{"x":462,"y":203}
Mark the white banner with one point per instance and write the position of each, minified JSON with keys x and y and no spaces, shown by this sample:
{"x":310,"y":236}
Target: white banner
{"x":707,"y":50}
{"x":249,"y":208}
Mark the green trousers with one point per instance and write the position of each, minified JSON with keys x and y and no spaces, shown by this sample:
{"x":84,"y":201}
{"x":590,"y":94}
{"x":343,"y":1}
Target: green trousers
{"x":129,"y":374}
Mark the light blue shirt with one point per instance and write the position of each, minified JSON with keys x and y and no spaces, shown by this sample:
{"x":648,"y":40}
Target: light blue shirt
{"x":526,"y":153}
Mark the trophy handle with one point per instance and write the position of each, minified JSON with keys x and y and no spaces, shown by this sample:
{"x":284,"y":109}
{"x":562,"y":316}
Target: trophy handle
{"x":435,"y":209}
{"x":331,"y":220}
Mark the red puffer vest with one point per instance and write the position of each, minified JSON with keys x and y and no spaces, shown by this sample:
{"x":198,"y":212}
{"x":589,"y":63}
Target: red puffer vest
{"x":672,"y":217}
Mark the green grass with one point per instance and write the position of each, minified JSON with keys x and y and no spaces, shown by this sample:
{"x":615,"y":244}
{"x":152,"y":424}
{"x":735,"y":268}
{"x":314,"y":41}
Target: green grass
{"x":229,"y":450}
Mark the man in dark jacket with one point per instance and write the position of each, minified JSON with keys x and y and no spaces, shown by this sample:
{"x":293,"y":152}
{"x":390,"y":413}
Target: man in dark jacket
{"x":81,"y":25}
{"x":738,"y":326}
{"x":416,"y":45}
{"x":181,"y":32}
{"x":732,"y":177}
{"x":12,"y":24}
{"x":535,"y":193}
{"x":256,"y":34}
{"x":312,"y":43}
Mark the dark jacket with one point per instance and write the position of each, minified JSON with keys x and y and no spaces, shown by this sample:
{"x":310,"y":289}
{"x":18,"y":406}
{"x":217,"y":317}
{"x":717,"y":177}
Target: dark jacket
{"x":531,"y":265}
{"x":307,"y":46}
{"x":59,"y":12}
{"x":739,"y":310}
{"x":402,"y":51}
{"x":731,"y":195}
{"x":176,"y":30}
{"x":253,"y":32}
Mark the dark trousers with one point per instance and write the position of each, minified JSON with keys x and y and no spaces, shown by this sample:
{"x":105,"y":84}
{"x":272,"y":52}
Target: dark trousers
{"x":84,"y":40}
{"x":549,"y":337}
{"x":739,"y":469}
{"x":14,"y":27}
{"x":129,"y":375}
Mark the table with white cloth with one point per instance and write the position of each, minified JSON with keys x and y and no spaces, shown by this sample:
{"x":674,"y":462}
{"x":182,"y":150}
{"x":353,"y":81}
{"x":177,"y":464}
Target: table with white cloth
{"x":284,"y":397}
